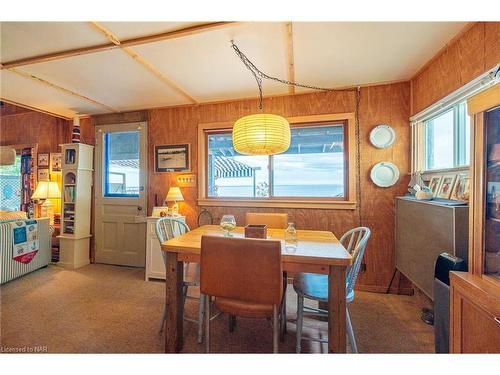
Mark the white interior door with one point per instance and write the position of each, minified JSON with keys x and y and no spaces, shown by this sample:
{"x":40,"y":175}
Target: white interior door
{"x":120,"y":194}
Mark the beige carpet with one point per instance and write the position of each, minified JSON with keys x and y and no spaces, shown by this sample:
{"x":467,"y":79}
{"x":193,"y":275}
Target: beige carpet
{"x":109,"y":309}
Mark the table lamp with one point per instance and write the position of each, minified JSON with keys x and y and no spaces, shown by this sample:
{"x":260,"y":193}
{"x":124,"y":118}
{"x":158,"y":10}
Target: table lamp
{"x":174,"y":194}
{"x":47,"y":190}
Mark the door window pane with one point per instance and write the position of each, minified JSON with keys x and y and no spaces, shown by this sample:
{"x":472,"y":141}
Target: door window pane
{"x":10,"y":186}
{"x":121,"y":164}
{"x":234,"y":175}
{"x":439,"y":134}
{"x":313,"y":166}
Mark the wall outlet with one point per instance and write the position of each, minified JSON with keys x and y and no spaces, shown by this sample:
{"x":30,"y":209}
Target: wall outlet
{"x":186,"y":180}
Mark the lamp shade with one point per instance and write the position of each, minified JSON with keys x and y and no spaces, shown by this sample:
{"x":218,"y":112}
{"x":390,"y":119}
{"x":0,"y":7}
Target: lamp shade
{"x":174,"y":194}
{"x":261,"y":134}
{"x":7,"y":155}
{"x":46,"y":190}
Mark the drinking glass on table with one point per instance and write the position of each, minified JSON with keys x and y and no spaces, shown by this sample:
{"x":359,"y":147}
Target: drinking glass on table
{"x":228,"y":223}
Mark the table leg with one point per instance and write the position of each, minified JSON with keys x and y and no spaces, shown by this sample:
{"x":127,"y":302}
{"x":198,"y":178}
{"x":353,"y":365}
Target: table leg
{"x":336,"y":310}
{"x":175,"y":305}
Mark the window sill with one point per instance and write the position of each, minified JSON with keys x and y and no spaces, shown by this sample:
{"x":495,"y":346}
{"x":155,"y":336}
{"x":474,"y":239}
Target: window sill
{"x":314,"y":204}
{"x":431,"y":172}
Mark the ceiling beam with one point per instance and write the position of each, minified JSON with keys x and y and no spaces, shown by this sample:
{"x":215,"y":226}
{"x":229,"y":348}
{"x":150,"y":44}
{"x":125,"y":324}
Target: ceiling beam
{"x":62,"y":89}
{"x":141,"y":60}
{"x":192,"y":30}
{"x":290,"y":58}
{"x":34,"y":109}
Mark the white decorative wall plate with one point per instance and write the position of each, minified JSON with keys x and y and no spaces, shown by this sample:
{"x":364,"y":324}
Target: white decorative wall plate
{"x":382,"y":136}
{"x":384,"y":174}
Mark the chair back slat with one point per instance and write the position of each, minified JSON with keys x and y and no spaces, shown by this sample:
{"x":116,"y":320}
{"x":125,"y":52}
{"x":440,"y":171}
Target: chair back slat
{"x":240,"y":268}
{"x":355,"y":241}
{"x":168,"y":228}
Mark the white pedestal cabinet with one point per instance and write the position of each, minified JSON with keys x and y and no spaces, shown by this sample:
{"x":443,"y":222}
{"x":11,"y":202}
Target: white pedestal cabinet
{"x":77,"y":162}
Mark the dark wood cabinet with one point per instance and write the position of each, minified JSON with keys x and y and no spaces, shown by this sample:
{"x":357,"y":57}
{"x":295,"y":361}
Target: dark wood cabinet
{"x":475,"y":295}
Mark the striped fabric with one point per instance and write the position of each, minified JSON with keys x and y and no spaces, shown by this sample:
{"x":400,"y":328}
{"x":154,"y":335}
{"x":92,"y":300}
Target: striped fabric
{"x":12,"y":215}
{"x":9,"y":268}
{"x":227,"y":168}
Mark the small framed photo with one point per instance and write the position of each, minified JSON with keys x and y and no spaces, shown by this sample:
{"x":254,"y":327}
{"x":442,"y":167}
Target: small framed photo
{"x":43,"y":174}
{"x":461,"y":189}
{"x":172,"y":158}
{"x":55,"y":161}
{"x":43,"y":160}
{"x":446,"y":186}
{"x":434,"y":183}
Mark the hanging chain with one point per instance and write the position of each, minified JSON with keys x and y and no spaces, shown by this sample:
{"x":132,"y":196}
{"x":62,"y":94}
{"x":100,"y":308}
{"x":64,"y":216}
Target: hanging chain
{"x":358,"y":156}
{"x":259,"y":75}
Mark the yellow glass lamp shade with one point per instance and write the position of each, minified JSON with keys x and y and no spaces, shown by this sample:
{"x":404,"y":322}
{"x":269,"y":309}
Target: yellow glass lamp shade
{"x":46,"y":190}
{"x":261,"y":134}
{"x":174,"y":194}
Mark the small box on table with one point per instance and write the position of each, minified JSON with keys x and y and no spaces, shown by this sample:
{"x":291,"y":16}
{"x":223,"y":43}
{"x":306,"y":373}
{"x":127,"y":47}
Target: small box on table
{"x":256,"y":231}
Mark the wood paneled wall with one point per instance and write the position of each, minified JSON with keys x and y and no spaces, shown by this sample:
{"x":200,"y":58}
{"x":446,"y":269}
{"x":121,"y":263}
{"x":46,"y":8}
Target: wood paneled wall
{"x":385,"y":104}
{"x":467,"y":56}
{"x":23,"y":126}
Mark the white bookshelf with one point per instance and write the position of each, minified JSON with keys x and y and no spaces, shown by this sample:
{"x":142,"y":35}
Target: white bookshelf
{"x":77,"y":163}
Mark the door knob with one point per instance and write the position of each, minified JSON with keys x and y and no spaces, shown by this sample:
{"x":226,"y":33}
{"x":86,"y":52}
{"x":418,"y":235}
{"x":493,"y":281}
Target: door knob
{"x":139,"y":208}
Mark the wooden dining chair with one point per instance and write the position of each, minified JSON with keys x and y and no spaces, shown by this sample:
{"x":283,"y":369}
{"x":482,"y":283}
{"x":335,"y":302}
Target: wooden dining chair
{"x":272,"y":220}
{"x":315,"y":286}
{"x":166,"y":229}
{"x":245,"y":277}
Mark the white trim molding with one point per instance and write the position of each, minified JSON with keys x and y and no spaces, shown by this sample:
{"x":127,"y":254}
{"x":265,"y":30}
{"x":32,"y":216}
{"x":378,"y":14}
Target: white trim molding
{"x":482,"y":82}
{"x":418,"y":152}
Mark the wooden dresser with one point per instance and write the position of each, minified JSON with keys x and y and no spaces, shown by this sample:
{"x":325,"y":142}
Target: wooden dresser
{"x":475,"y":295}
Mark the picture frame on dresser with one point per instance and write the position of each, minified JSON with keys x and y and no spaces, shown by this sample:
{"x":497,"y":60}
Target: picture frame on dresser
{"x":446,"y":186}
{"x":434,"y":184}
{"x":461,"y":189}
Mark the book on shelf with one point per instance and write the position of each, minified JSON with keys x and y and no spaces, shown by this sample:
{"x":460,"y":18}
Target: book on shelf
{"x":69,"y":194}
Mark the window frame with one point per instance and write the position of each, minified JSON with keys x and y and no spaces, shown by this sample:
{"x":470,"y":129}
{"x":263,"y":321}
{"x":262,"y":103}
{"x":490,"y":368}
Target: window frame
{"x":106,"y":193}
{"x":348,"y":201}
{"x":459,"y":131}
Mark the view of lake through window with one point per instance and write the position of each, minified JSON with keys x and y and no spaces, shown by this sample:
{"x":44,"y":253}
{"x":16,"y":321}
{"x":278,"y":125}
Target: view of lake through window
{"x":313,"y":166}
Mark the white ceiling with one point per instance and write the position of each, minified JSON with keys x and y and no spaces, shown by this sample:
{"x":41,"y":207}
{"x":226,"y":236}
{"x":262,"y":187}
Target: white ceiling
{"x":203,"y":65}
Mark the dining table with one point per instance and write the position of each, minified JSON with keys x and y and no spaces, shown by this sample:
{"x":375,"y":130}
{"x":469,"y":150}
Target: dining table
{"x":315,"y":252}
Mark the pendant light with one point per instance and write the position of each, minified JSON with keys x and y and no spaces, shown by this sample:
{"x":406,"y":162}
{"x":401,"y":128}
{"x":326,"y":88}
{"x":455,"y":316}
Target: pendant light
{"x":261,"y":133}
{"x":265,"y":133}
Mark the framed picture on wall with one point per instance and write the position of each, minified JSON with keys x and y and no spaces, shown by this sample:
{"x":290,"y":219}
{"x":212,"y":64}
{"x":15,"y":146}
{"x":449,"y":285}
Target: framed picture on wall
{"x":173,"y":158}
{"x":43,"y":160}
{"x":461,"y":189}
{"x":55,"y":161}
{"x":43,"y":174}
{"x":446,"y":186}
{"x":434,"y":183}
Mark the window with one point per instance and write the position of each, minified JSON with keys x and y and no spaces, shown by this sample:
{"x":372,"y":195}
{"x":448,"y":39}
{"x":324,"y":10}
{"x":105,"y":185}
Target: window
{"x":313,"y":167}
{"x":10,"y":186}
{"x":121,"y":164}
{"x":447,"y":139}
